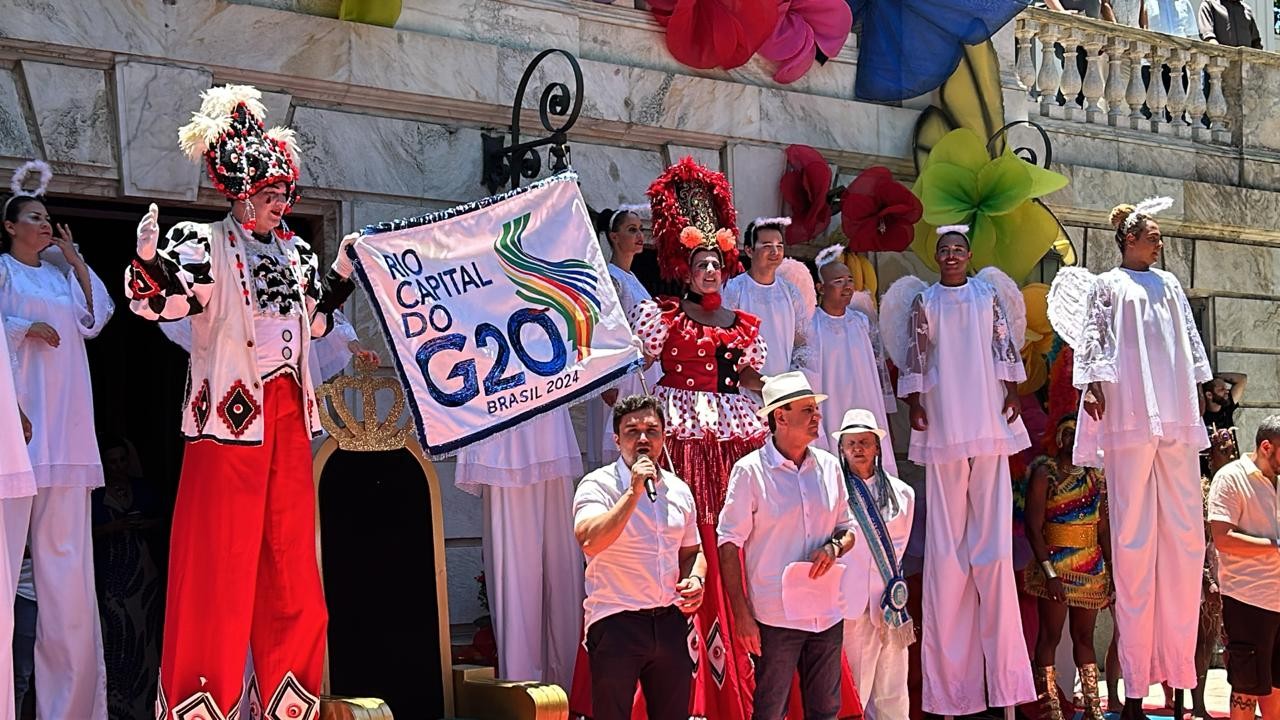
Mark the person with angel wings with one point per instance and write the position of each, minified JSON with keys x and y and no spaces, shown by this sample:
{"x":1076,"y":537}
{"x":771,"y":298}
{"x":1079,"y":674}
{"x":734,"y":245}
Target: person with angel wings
{"x":846,"y":357}
{"x":1139,"y":361}
{"x":956,"y":346}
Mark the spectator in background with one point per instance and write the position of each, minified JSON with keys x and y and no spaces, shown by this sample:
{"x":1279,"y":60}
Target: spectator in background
{"x":1246,"y":530}
{"x":1222,"y":397}
{"x":1228,"y":22}
{"x":1096,"y":9}
{"x":24,"y":636}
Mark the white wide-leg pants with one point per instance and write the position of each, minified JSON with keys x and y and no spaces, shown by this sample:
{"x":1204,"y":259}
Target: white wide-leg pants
{"x":70,"y":676}
{"x":880,"y":671}
{"x":534,"y":573}
{"x":970,"y":602}
{"x":1157,"y":551}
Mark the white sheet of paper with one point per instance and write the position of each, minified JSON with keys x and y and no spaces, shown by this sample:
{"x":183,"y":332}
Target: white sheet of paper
{"x":804,"y":597}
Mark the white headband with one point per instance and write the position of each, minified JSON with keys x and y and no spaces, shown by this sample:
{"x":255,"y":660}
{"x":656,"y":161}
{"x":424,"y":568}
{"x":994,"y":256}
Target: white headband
{"x":1146,"y":208}
{"x":639,"y":210}
{"x":948,"y":229}
{"x":828,"y":256}
{"x":20,"y":176}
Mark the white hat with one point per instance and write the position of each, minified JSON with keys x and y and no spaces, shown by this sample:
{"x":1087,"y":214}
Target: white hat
{"x":784,"y":388}
{"x":858,"y":421}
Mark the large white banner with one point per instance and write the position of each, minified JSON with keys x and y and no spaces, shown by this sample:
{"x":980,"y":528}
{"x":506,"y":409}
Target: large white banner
{"x":496,"y":311}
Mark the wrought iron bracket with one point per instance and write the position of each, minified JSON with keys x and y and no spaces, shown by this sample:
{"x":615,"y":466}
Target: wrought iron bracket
{"x":505,"y":163}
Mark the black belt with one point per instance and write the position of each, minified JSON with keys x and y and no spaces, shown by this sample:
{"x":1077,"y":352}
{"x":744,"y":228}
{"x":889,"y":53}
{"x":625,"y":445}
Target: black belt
{"x":655,"y":611}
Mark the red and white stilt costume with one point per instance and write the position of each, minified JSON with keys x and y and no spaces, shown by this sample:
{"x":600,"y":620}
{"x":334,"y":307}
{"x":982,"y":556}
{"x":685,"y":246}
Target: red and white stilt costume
{"x":243,"y":572}
{"x":1133,"y":333}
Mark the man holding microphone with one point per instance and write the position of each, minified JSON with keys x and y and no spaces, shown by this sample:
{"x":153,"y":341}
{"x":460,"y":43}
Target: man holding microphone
{"x":645,"y":570}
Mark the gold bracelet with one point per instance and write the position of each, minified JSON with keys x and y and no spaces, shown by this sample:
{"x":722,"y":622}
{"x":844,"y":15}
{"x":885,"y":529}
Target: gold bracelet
{"x":1048,"y":569}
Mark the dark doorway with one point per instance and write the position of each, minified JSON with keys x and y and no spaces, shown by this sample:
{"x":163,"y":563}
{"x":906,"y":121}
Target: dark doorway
{"x":378,"y":555}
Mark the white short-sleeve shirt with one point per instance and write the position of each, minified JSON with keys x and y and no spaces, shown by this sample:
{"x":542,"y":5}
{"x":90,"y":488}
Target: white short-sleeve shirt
{"x":641,"y":568}
{"x":1243,"y":496}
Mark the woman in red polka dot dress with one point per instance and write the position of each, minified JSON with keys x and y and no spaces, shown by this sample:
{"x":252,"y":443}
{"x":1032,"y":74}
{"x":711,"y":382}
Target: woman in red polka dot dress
{"x":707,"y":352}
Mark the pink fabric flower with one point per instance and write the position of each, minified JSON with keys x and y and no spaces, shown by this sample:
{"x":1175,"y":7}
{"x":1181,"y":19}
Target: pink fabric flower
{"x":807,"y":30}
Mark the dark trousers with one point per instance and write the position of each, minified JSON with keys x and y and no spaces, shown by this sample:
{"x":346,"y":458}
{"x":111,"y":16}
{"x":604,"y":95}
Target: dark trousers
{"x":815,"y":655}
{"x":646,"y":646}
{"x":24,"y":648}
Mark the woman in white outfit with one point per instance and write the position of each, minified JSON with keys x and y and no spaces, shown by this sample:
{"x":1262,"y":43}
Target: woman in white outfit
{"x":623,"y":229}
{"x":52,"y":302}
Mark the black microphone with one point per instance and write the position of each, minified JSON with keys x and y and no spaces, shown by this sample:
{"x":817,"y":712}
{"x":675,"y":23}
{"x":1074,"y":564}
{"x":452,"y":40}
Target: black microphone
{"x":649,"y":488}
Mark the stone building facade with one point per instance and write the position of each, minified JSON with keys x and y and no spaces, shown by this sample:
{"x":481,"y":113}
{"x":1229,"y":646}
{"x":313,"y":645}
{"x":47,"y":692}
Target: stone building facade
{"x":390,"y":124}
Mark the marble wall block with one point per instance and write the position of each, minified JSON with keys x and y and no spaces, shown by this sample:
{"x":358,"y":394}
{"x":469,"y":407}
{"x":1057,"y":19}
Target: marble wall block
{"x":411,"y":62}
{"x":1221,"y":205}
{"x":365,"y":153}
{"x":626,"y":41}
{"x":320,"y":8}
{"x":695,"y":104}
{"x":613,"y":176}
{"x":121,"y":26}
{"x":73,"y":112}
{"x":1070,"y":147}
{"x":788,"y":118}
{"x":1177,"y":257}
{"x":705,"y":156}
{"x":754,"y":172}
{"x":1260,"y":105}
{"x":1221,"y":266}
{"x":493,"y":22}
{"x":1263,"y":371}
{"x":1241,"y":323}
{"x":152,"y":101}
{"x":1247,"y":421}
{"x":1100,"y":190}
{"x":1101,"y":252}
{"x":211,"y":32}
{"x":1221,"y":169}
{"x":15,"y":138}
{"x":1261,"y":174}
{"x":1174,"y":159}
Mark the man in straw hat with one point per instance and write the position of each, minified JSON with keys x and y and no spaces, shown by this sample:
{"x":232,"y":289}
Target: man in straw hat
{"x":786,"y":504}
{"x":242,"y":566}
{"x":877,"y":629}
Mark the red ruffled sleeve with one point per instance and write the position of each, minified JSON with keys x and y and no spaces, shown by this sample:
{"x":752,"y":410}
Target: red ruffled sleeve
{"x":705,"y":34}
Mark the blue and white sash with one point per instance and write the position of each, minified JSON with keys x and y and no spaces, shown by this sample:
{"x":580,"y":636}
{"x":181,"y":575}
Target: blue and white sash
{"x":898,"y":627}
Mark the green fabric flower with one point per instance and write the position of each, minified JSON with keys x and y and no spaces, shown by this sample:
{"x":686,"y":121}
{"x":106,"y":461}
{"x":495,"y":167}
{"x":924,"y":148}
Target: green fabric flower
{"x":961,"y":184}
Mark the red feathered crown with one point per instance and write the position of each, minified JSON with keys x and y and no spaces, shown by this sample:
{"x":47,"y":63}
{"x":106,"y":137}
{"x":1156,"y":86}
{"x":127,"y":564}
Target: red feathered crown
{"x":1064,"y":398}
{"x":693,"y":210}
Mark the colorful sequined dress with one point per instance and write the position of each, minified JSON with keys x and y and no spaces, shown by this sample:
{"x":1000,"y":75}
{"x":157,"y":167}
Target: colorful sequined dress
{"x":1073,"y":510}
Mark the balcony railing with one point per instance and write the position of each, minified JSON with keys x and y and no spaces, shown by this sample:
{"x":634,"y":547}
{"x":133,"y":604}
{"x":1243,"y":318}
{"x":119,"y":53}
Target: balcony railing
{"x":1088,"y":71}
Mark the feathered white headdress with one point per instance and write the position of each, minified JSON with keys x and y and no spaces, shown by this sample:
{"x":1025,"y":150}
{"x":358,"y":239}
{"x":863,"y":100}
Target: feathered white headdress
{"x":1146,"y":208}
{"x":948,"y":229}
{"x":19,"y":178}
{"x":771,"y":221}
{"x":828,"y":256}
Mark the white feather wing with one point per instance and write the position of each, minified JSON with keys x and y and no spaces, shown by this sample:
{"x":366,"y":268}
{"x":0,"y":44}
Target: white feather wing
{"x":865,"y":304}
{"x":795,"y":273}
{"x":1069,"y":303}
{"x":895,"y":316}
{"x":1015,"y":308}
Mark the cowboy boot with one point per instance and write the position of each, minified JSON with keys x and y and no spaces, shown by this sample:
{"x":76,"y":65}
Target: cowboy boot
{"x":1089,"y":689}
{"x":1047,"y":688}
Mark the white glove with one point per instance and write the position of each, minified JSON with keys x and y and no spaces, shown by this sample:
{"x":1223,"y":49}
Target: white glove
{"x":149,"y":234}
{"x":342,"y":264}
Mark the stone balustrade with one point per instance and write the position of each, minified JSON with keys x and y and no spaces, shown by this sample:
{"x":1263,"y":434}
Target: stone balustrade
{"x":1107,"y":78}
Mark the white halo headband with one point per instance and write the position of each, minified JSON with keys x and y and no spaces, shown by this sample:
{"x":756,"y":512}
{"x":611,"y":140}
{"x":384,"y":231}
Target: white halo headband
{"x":829,"y":255}
{"x":948,"y":229}
{"x":1146,"y":208}
{"x":20,"y":176}
{"x":640,"y":211}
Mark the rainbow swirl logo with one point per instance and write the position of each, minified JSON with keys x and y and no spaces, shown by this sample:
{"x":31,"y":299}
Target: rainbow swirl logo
{"x":567,"y":287}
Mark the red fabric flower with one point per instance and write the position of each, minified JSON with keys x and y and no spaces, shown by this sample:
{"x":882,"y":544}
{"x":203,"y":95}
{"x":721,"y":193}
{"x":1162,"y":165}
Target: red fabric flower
{"x":804,"y":188}
{"x":705,"y":34}
{"x":878,"y":213}
{"x":807,"y":30}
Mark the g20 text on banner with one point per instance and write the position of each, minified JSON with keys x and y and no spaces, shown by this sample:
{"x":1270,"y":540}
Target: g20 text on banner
{"x":496,"y":311}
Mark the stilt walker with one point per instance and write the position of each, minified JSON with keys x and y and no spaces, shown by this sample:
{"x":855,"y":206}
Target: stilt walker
{"x":52,"y":302}
{"x":533,"y":565}
{"x":1138,"y":362}
{"x":956,"y":344}
{"x":242,"y":565}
